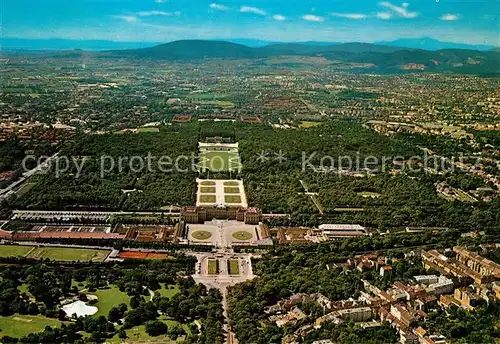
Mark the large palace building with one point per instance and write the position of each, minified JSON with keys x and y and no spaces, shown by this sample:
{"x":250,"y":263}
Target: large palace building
{"x":466,"y":263}
{"x":250,"y":216}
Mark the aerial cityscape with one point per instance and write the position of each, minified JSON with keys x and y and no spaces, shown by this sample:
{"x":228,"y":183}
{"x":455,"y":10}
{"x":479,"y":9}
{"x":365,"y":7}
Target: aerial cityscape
{"x":253,"y":173}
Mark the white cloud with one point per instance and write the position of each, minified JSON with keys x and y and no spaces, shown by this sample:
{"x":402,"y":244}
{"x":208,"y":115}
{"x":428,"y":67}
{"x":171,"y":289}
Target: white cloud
{"x":279,"y":17}
{"x":384,"y":15}
{"x":312,"y":17}
{"x":218,"y":7}
{"x":255,"y":10}
{"x":450,"y":17}
{"x":157,"y":13}
{"x":128,"y":19}
{"x":350,"y":15}
{"x":400,"y":10}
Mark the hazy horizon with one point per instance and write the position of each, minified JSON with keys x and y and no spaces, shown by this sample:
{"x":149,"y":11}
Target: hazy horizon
{"x":160,"y":21}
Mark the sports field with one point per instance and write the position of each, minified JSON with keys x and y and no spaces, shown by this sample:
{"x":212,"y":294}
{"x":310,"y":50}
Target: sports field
{"x":216,"y":161}
{"x":63,"y":253}
{"x":14,"y":250}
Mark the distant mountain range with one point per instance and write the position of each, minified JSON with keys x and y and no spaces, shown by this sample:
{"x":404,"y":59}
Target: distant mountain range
{"x":425,"y":43}
{"x":362,"y":57}
{"x":367,"y":57}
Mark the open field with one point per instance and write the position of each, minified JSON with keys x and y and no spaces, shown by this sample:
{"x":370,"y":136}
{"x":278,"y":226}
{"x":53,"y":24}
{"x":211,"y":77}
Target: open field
{"x":25,"y":188}
{"x":232,"y":199}
{"x":148,"y":130}
{"x":367,"y":194}
{"x":309,"y":124}
{"x":168,"y":290}
{"x":213,"y":267}
{"x":234,"y":267}
{"x":207,"y":189}
{"x":14,"y":250}
{"x":349,"y":210}
{"x":61,"y":253}
{"x":20,"y":325}
{"x":219,"y":161}
{"x":201,"y":235}
{"x":109,"y":298}
{"x":242,"y":235}
{"x":207,"y":198}
{"x":138,"y":334}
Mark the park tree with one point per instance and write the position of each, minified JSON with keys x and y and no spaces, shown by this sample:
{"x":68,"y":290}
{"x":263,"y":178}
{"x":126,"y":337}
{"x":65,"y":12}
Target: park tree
{"x":156,"y":328}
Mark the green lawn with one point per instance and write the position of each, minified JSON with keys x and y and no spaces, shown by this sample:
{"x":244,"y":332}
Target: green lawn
{"x":232,"y":199}
{"x":213,"y":267}
{"x":231,"y":190}
{"x":138,"y":334}
{"x":242,"y":235}
{"x":77,"y":284}
{"x":148,"y":130}
{"x":309,"y":124}
{"x":234,"y":267}
{"x":230,"y":183}
{"x":348,"y":210}
{"x":207,"y":182}
{"x":23,"y":288}
{"x":207,"y":189}
{"x":20,"y":325}
{"x":25,"y":188}
{"x":367,"y":194}
{"x":201,"y":235}
{"x":219,"y":161}
{"x":14,"y":250}
{"x":225,"y":103}
{"x":109,"y":298}
{"x":168,"y":291}
{"x":61,"y":253}
{"x":207,"y":198}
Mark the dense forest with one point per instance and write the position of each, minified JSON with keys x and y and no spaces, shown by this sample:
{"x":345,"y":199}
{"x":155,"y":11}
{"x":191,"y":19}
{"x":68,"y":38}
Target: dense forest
{"x":277,"y":166}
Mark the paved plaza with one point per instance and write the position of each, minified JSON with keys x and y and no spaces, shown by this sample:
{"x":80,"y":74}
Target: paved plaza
{"x":223,"y":233}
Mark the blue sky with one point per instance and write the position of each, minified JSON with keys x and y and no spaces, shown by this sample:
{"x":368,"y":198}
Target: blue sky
{"x":464,"y":21}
